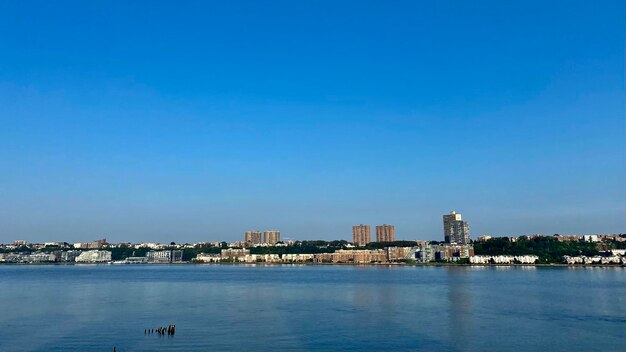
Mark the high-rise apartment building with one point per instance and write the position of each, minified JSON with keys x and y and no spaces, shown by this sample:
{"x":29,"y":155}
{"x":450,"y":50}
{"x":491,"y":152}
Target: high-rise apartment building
{"x":271,"y":236}
{"x":361,"y":235}
{"x":253,"y":237}
{"x":385,"y":233}
{"x":455,"y":230}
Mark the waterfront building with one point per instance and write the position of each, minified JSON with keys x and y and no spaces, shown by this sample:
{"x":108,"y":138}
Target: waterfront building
{"x":398,"y":253}
{"x":94,"y":256}
{"x":426,"y":253}
{"x":15,"y":258}
{"x":167,"y":256}
{"x":361,"y":235}
{"x":504,"y":259}
{"x":455,"y":230}
{"x":618,"y":252}
{"x":594,"y":260}
{"x":454,"y":252}
{"x":208,"y":258}
{"x":385,"y":233}
{"x":253,"y":237}
{"x":40,"y":257}
{"x":259,"y":258}
{"x":355,"y":256}
{"x":296,"y":258}
{"x":136,"y":260}
{"x":231,"y":253}
{"x":69,"y":256}
{"x":271,"y":237}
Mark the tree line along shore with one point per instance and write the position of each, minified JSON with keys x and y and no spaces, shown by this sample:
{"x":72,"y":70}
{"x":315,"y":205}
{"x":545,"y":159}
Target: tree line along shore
{"x":547,"y":249}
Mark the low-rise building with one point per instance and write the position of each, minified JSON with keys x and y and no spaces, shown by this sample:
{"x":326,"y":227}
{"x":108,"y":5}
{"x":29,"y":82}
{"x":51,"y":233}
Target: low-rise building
{"x":356,"y":256}
{"x":136,"y":260}
{"x":208,"y":258}
{"x":504,"y":259}
{"x":614,"y":259}
{"x":573,"y":238}
{"x":426,"y":253}
{"x":55,"y":244}
{"x":91,"y":245}
{"x":40,"y":257}
{"x":234,"y":253}
{"x":619,"y":252}
{"x":245,"y":257}
{"x":94,"y":256}
{"x":259,"y":258}
{"x":297,"y":258}
{"x":167,"y":256}
{"x":398,"y":253}
{"x":69,"y":256}
{"x":15,"y":258}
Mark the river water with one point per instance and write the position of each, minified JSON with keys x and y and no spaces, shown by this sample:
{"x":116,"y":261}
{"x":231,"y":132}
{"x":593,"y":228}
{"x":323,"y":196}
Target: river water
{"x":307,"y":308}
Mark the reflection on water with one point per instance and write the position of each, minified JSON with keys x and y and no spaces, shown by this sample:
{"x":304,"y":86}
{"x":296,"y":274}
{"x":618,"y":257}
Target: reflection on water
{"x":295,"y":307}
{"x":460,"y":306}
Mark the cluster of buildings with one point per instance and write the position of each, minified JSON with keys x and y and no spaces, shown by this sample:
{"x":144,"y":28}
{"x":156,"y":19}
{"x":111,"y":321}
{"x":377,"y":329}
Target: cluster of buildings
{"x":354,"y":256}
{"x":426,"y":253}
{"x":60,"y":245}
{"x":455,"y":229}
{"x":90,"y":256}
{"x":564,"y":238}
{"x":71,"y":256}
{"x":362,"y":234}
{"x":270,"y":237}
{"x":456,"y":247}
{"x":594,"y":260}
{"x":423,"y":252}
{"x":614,"y":256}
{"x":89,"y":245}
{"x":155,"y":257}
{"x":242,"y":255}
{"x":166,"y":256}
{"x":504,"y":259}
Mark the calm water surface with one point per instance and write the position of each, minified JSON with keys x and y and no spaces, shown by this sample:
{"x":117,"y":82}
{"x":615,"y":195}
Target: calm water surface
{"x":306,"y":308}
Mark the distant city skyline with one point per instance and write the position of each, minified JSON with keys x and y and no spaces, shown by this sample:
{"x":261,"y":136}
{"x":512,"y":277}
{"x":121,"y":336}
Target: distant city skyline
{"x":361,"y":234}
{"x":199,"y":121}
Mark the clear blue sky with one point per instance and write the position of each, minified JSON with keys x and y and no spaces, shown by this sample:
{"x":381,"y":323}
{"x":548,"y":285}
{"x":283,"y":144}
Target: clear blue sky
{"x":195,"y":121}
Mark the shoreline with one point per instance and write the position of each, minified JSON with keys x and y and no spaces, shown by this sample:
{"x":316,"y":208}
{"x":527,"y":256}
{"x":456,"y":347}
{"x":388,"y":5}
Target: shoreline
{"x":547,"y":265}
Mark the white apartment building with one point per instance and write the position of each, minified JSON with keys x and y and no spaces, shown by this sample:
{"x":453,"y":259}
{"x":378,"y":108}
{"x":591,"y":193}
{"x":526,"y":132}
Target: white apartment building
{"x":504,"y":259}
{"x":94,"y":256}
